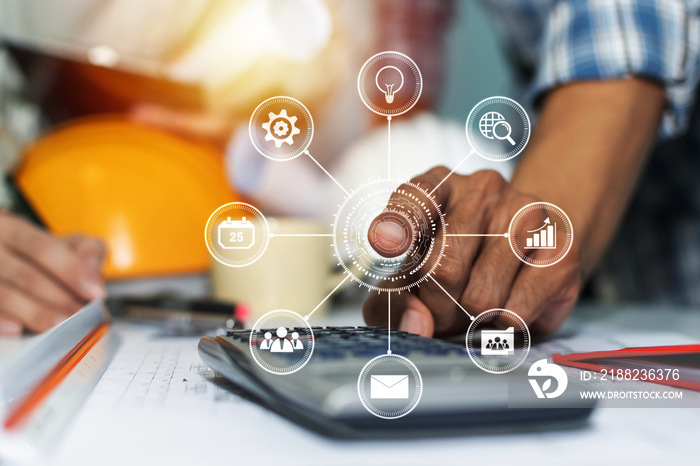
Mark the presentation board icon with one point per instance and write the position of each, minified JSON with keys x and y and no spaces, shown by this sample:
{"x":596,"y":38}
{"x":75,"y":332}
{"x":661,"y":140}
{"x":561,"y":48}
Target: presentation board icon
{"x":236,"y":234}
{"x":497,"y":342}
{"x":392,"y":387}
{"x":498,"y":351}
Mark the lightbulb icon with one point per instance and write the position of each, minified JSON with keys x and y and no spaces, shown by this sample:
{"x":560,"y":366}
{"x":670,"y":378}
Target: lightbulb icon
{"x":389,"y":79}
{"x":392,"y":73}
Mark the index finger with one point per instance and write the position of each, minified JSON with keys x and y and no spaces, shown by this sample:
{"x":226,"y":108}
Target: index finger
{"x":391,"y":233}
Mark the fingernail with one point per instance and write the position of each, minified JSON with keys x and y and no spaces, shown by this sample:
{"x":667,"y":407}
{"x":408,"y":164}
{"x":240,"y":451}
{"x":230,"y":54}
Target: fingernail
{"x":388,"y":237}
{"x":93,"y":288}
{"x":10,"y":327}
{"x":413,"y":321}
{"x":391,"y":234}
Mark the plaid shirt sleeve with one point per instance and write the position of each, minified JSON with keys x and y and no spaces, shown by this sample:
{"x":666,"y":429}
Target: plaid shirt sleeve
{"x":610,"y":39}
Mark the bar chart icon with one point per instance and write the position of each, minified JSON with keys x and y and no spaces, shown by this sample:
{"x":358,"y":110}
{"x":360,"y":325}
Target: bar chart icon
{"x":544,"y":237}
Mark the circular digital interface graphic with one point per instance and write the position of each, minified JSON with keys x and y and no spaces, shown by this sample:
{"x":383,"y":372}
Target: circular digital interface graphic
{"x":281,"y":128}
{"x":414,"y":212}
{"x":498,"y":349}
{"x":390,"y":83}
{"x":237,"y":234}
{"x":540,"y":234}
{"x":281,"y":342}
{"x":390,"y":386}
{"x":391,"y":234}
{"x":498,"y":128}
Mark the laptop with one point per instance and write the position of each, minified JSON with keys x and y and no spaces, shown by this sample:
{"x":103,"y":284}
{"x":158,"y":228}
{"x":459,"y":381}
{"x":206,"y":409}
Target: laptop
{"x":324,"y":395}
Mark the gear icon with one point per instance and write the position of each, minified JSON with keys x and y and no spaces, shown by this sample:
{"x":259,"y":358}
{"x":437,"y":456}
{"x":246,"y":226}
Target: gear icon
{"x":282,"y":126}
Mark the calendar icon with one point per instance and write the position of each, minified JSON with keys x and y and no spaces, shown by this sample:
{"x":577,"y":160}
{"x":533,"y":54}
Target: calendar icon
{"x":236,"y":234}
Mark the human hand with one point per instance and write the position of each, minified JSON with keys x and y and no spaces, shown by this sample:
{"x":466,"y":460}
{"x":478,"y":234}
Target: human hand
{"x":480,"y":273}
{"x":44,"y":279}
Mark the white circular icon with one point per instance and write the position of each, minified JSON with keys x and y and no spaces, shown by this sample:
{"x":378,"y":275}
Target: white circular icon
{"x":281,"y":128}
{"x":390,"y":386}
{"x":390,"y":83}
{"x":237,"y":234}
{"x":281,"y":342}
{"x":498,"y":128}
{"x":494,"y":349}
{"x":415,"y":213}
{"x":540,"y":234}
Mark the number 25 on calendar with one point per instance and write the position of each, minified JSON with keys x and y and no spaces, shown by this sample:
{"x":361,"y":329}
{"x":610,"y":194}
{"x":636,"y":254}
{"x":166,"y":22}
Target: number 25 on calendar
{"x":236,"y":234}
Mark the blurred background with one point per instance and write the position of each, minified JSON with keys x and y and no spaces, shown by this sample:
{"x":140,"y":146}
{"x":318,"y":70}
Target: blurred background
{"x":127,"y":120}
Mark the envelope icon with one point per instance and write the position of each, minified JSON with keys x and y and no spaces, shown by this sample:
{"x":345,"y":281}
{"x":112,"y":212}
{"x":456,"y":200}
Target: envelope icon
{"x":392,"y":387}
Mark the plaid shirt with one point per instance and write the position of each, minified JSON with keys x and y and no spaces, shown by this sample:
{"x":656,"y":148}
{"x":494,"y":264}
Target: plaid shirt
{"x":656,"y":254}
{"x":562,"y":41}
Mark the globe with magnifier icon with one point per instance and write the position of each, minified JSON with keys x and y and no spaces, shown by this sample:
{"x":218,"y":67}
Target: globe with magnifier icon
{"x":494,"y":125}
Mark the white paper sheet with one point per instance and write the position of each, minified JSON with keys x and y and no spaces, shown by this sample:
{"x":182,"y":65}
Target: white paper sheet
{"x":159,"y":404}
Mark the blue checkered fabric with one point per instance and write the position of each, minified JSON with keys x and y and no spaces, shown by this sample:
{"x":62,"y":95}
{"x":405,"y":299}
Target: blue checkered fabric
{"x":655,"y":257}
{"x":572,"y":40}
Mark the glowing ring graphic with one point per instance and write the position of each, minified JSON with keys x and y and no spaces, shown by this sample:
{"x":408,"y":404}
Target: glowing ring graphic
{"x":362,"y":262}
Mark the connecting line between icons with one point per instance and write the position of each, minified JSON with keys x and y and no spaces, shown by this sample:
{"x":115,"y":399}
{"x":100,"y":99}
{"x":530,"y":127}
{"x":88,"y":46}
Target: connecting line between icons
{"x":306,"y":317}
{"x":388,"y":123}
{"x":450,"y":296}
{"x":326,"y":172}
{"x":503,"y":235}
{"x":388,"y":322}
{"x":453,"y":170}
{"x":274,"y":235}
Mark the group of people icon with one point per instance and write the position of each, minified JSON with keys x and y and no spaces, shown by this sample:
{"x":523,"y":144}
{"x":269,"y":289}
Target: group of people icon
{"x":497,"y":344}
{"x":281,"y":344}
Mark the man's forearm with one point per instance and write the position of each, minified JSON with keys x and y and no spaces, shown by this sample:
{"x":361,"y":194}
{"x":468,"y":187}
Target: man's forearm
{"x":587,"y":153}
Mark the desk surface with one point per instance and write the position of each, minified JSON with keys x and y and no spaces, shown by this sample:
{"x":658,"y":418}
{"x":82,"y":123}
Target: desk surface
{"x":171,"y":410}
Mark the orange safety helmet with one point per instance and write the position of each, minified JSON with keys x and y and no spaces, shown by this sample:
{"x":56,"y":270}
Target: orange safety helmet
{"x":145,"y":192}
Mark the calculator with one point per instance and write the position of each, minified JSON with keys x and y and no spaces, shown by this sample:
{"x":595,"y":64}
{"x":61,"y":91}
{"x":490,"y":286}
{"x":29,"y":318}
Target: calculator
{"x":323,"y":395}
